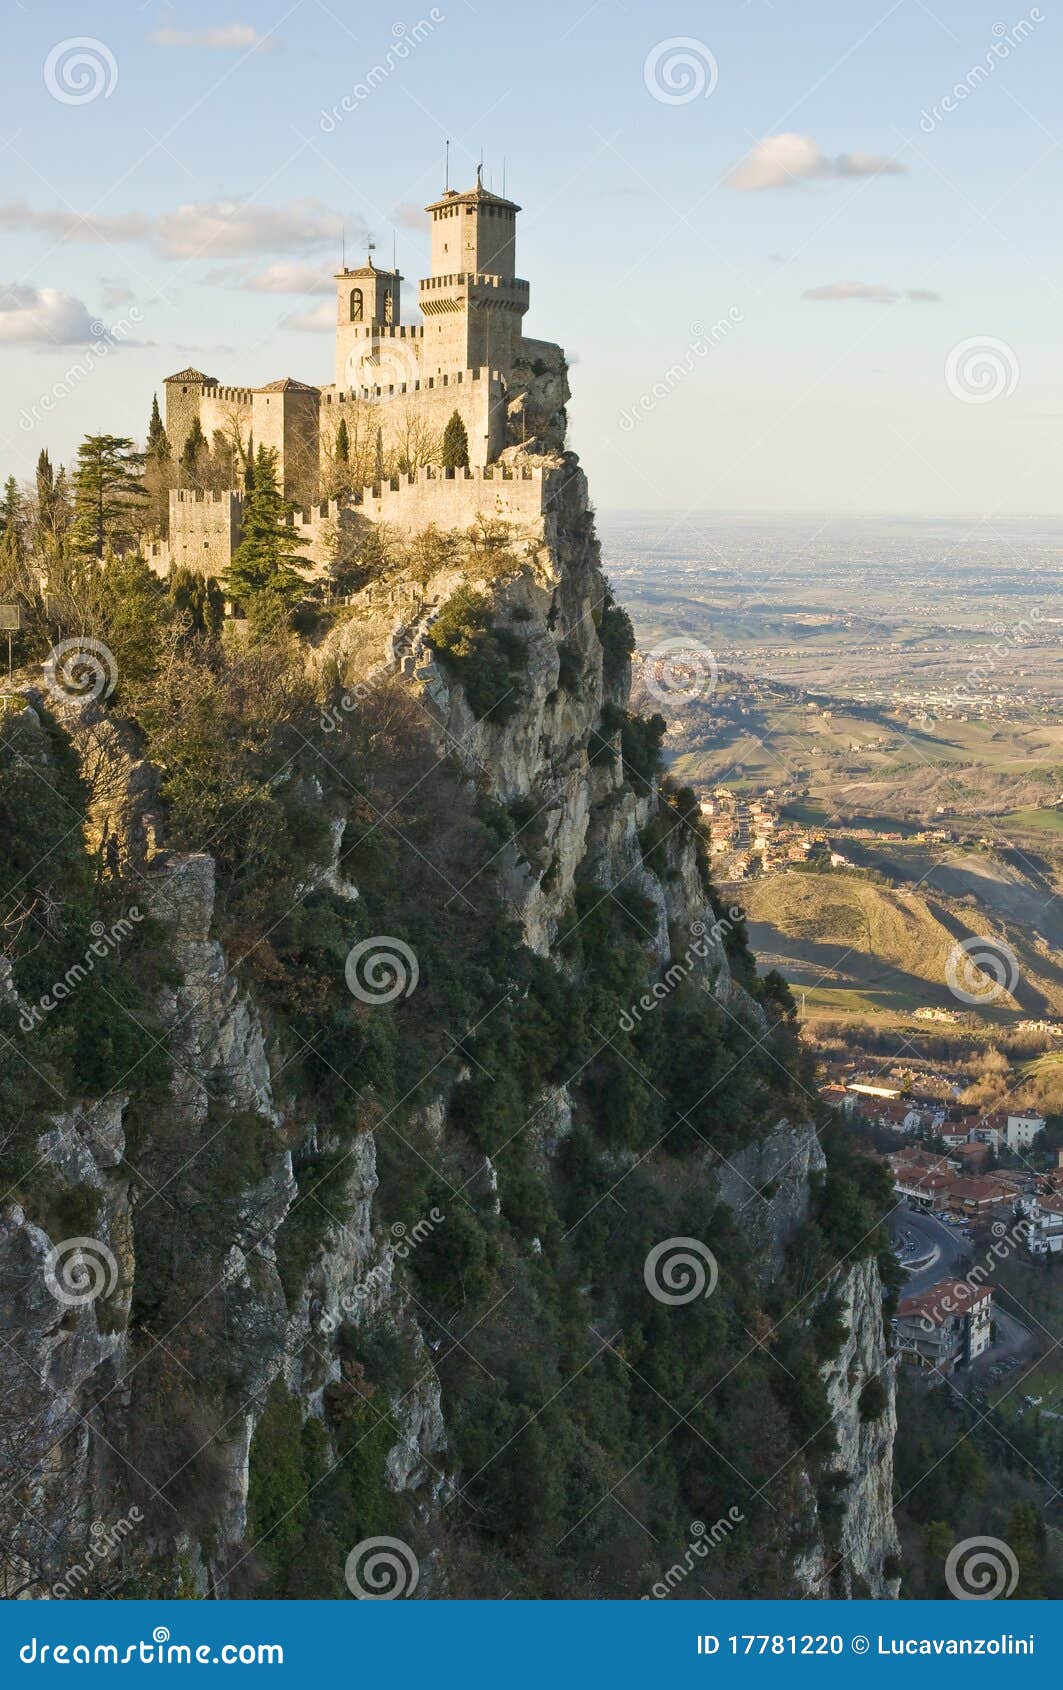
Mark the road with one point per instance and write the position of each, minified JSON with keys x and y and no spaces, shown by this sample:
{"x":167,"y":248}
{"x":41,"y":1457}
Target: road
{"x":950,"y":1253}
{"x":950,"y":1258}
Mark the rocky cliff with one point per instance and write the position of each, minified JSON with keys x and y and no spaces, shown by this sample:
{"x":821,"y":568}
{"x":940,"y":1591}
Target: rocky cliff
{"x":386,"y":1256}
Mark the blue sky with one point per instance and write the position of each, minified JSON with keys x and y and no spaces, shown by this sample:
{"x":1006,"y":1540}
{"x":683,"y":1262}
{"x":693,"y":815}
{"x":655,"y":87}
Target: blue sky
{"x":797,"y":283}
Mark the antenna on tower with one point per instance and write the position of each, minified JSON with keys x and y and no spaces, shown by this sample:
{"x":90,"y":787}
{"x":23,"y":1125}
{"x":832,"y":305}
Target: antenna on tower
{"x":503,"y":175}
{"x":394,"y":252}
{"x":343,"y":246}
{"x":446,"y":168}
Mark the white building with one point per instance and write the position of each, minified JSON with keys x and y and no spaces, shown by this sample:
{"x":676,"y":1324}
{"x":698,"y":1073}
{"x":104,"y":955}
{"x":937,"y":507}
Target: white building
{"x":1022,"y":1131}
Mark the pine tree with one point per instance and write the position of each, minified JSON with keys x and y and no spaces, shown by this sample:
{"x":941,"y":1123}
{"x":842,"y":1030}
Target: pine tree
{"x":108,"y":494}
{"x":455,"y":444}
{"x":343,"y":444}
{"x":266,"y":560}
{"x":158,"y":444}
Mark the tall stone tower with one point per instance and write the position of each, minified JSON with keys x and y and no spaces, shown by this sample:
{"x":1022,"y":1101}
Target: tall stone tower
{"x":367,"y":310}
{"x":473,"y":302}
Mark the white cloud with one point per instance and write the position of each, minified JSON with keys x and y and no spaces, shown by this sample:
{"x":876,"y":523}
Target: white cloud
{"x":322,"y":317}
{"x":783,"y":161}
{"x":873,"y":291}
{"x":203,"y":228}
{"x":43,"y":317}
{"x":285,"y":276}
{"x":225,"y":38}
{"x":409,"y":215}
{"x":116,"y":291}
{"x":877,"y":293}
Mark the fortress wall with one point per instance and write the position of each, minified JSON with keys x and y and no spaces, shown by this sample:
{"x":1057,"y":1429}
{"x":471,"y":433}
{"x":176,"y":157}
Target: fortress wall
{"x":407,"y":413}
{"x":456,"y":501}
{"x":204,"y":531}
{"x":219,"y":409}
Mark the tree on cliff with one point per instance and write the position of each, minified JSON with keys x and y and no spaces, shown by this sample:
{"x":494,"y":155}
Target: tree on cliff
{"x":266,"y":563}
{"x":455,"y":444}
{"x":108,"y":494}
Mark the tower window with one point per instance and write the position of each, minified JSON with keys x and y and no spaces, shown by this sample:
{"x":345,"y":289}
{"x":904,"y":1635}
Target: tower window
{"x":356,"y":305}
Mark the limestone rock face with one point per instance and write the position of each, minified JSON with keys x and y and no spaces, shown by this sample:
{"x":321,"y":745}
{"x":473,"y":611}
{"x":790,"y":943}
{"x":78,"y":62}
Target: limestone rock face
{"x":585,"y":825}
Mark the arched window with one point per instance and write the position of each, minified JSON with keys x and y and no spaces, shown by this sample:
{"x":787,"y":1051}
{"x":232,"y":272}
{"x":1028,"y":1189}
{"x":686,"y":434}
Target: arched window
{"x":356,"y":305}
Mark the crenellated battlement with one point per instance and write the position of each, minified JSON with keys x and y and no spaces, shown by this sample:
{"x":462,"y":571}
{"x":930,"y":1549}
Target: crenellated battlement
{"x":452,"y":378}
{"x":228,"y":395}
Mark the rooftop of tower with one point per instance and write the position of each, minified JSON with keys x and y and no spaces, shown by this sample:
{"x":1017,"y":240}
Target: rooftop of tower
{"x":471,"y":196}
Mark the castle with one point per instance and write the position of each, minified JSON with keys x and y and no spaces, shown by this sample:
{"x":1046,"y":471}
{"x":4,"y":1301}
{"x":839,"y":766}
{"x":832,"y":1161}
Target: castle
{"x":397,"y":385}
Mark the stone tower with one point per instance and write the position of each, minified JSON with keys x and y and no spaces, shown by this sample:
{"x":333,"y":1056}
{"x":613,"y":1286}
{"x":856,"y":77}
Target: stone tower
{"x":473,"y":302}
{"x":367,"y":309}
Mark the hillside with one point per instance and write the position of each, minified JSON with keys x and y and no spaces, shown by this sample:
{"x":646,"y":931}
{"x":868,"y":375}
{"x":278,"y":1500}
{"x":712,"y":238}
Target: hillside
{"x":384,"y":1175}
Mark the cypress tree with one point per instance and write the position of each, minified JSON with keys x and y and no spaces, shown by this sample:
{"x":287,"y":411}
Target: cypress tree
{"x":158,"y":444}
{"x":455,"y":444}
